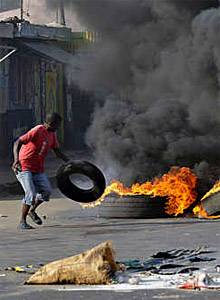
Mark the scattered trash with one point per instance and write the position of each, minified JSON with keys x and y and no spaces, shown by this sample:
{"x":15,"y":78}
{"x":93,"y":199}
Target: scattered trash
{"x":201,"y":281}
{"x":125,"y":277}
{"x":170,"y":262}
{"x":44,"y":217}
{"x":2,"y":275}
{"x":31,"y":269}
{"x":153,"y":281}
{"x":196,"y":259}
{"x":97,"y":269}
{"x":217,"y":268}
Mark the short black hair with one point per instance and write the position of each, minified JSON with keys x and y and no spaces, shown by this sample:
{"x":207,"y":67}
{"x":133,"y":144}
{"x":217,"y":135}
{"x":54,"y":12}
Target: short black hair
{"x":53,"y":118}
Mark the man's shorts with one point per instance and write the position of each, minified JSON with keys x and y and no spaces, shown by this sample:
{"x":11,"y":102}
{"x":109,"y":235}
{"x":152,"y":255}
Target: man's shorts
{"x":35,"y":185}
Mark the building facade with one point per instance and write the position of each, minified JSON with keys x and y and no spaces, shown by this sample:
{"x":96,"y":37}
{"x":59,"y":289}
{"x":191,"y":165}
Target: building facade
{"x":33,"y":61}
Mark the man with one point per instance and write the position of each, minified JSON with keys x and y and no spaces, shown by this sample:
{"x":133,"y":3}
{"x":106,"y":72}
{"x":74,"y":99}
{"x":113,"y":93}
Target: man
{"x":30,"y":151}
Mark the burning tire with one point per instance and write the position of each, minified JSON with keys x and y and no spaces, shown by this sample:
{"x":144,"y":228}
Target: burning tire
{"x":72,"y":191}
{"x":211,"y":204}
{"x":132,"y":207}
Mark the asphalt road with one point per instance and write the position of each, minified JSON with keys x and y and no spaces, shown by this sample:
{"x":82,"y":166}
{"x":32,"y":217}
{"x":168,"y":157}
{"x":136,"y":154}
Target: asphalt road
{"x":69,"y":230}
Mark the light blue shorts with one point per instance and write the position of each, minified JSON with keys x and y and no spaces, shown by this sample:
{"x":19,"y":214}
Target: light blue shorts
{"x":35,"y":186}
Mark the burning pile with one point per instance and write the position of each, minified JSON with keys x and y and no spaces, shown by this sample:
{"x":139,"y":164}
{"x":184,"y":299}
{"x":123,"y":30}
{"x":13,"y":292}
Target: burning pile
{"x":178,"y":185}
{"x":200,"y":208}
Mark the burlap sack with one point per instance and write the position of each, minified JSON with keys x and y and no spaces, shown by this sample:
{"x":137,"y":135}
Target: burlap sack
{"x":90,"y":267}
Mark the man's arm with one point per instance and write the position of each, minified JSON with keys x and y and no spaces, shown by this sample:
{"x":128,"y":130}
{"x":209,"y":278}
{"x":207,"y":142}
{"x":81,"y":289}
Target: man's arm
{"x":60,"y":155}
{"x":16,"y":148}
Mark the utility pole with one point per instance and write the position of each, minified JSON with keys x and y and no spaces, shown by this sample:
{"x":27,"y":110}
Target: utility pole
{"x":60,"y":14}
{"x":22,"y":10}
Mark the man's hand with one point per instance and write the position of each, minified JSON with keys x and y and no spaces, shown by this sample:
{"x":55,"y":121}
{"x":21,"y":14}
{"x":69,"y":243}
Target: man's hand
{"x":60,"y":155}
{"x":16,"y":167}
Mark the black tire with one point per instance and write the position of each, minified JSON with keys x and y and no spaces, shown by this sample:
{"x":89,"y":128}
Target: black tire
{"x":75,"y":193}
{"x":133,"y":207}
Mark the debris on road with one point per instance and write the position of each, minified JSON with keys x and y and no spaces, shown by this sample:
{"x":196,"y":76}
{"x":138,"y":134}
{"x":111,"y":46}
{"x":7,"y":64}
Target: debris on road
{"x":154,"y":281}
{"x":31,"y":269}
{"x":171,"y":262}
{"x":201,"y":281}
{"x":97,"y":269}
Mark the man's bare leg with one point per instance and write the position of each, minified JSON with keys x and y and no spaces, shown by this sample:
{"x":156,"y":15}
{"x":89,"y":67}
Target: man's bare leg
{"x":23,"y":222}
{"x":33,"y":215}
{"x":35,"y":205}
{"x":24,"y":213}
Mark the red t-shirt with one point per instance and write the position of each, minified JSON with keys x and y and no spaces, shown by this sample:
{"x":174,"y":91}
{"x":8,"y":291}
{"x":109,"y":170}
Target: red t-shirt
{"x":37,"y":142}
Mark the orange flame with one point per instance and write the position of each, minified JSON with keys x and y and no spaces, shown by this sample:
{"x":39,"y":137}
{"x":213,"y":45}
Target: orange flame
{"x":199,"y":210}
{"x":214,"y":190}
{"x":178,"y":185}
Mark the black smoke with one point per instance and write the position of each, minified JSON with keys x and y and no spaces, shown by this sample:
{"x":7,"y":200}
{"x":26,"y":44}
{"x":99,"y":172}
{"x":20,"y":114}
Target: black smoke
{"x":195,"y":6}
{"x":158,"y":63}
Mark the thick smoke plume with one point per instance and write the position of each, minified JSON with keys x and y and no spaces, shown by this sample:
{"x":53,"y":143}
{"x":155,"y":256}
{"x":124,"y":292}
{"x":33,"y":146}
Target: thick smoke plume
{"x":160,"y":63}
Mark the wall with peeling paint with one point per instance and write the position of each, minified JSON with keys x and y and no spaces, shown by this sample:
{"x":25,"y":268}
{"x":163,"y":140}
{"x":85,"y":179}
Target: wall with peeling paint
{"x":30,"y":87}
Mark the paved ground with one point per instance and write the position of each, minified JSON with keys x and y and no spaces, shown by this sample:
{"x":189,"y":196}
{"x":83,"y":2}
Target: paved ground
{"x":69,"y":230}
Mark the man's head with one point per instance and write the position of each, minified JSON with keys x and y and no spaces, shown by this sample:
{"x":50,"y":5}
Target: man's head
{"x":53,"y":121}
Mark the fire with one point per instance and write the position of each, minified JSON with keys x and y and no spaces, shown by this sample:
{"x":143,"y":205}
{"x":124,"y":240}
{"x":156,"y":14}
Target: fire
{"x":178,"y":185}
{"x":214,"y":190}
{"x":199,"y":210}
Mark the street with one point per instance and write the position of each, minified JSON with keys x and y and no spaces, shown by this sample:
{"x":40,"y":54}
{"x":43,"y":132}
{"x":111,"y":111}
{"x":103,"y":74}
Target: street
{"x":69,"y":230}
{"x":110,"y":98}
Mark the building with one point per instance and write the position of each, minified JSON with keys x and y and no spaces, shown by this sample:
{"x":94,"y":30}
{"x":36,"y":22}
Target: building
{"x":33,"y":62}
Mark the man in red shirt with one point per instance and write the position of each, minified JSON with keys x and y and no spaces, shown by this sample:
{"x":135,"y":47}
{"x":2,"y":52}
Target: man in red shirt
{"x":30,"y":151}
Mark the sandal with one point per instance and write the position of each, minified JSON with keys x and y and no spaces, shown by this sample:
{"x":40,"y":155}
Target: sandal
{"x":25,"y":225}
{"x":35,"y":218}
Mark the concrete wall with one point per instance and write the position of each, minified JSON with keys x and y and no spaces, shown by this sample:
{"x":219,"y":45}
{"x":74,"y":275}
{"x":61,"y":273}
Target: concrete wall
{"x":6,"y":30}
{"x":79,"y":108}
{"x":4,"y":135}
{"x":31,"y":85}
